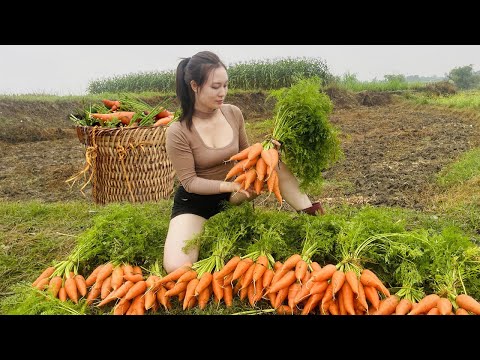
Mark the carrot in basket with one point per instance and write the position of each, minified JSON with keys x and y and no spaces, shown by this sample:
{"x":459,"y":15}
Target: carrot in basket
{"x":468,"y":303}
{"x":123,"y":116}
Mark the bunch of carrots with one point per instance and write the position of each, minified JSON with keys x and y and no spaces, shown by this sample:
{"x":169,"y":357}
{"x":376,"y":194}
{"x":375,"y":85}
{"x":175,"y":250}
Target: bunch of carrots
{"x":256,"y":167}
{"x":132,"y":118}
{"x":293,"y":287}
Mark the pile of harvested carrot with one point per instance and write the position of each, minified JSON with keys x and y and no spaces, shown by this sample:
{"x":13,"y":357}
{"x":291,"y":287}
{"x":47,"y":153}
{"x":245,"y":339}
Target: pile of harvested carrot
{"x":256,"y":167}
{"x":296,"y":286}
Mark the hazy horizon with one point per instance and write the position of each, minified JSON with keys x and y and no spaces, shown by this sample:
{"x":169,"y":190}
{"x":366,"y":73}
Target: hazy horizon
{"x":68,"y":69}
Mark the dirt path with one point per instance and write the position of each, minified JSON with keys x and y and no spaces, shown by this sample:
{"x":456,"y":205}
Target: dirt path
{"x":391,"y":154}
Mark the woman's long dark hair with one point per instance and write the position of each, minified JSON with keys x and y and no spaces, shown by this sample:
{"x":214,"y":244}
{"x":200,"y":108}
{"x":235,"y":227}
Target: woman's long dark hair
{"x":196,"y":68}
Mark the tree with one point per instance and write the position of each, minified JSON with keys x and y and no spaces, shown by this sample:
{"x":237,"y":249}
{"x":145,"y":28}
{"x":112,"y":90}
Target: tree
{"x":464,"y":77}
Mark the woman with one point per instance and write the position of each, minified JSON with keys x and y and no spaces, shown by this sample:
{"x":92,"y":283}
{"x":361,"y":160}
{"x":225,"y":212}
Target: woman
{"x":207,"y":133}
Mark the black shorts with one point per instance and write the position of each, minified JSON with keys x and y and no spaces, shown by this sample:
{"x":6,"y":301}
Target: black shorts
{"x":202,"y":205}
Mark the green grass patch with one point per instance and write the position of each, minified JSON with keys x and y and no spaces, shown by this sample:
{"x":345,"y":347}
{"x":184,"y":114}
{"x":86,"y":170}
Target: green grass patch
{"x":467,"y":167}
{"x":461,"y":100}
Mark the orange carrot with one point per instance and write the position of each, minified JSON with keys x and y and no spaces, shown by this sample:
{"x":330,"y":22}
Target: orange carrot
{"x":468,"y":303}
{"x":284,"y":310}
{"x":90,"y":280}
{"x":117,"y":277}
{"x":258,"y":186}
{"x":163,"y":121}
{"x":444,"y":306}
{"x":282,"y":295}
{"x":137,"y":289}
{"x":62,"y":294}
{"x":93,"y":294}
{"x":228,"y":296}
{"x":461,"y":311}
{"x":267,"y":278}
{"x":122,"y":290}
{"x":362,"y":299}
{"x":242,"y":155}
{"x":291,"y":262}
{"x":190,"y":292}
{"x":273,"y":162}
{"x":204,"y":281}
{"x":260,"y":267}
{"x":324,"y":273}
{"x":271,"y":181}
{"x":104,"y":272}
{"x":352,"y":280}
{"x":315,"y":266}
{"x":162,"y":299}
{"x":111,"y":103}
{"x":433,"y":311}
{"x":369,"y":278}
{"x":174,"y":275}
{"x":425,"y":305}
{"x":123,"y":116}
{"x":178,"y":289}
{"x":388,"y":306}
{"x":189,"y":275}
{"x":250,"y":177}
{"x":150,"y":300}
{"x":127,"y":269}
{"x":311,"y":303}
{"x":248,"y":276}
{"x":122,"y":307}
{"x":54,"y":285}
{"x":285,"y":281}
{"x":236,"y":169}
{"x":203,"y":297}
{"x":241,"y":178}
{"x":241,"y":268}
{"x":347,"y":297}
{"x":255,"y":151}
{"x":338,"y":278}
{"x":106,"y":287}
{"x":229,"y":266}
{"x":371,"y":295}
{"x":250,"y":165}
{"x":300,"y":269}
{"x":276,"y":189}
{"x":163,"y":113}
{"x":403,"y":307}
{"x":132,"y":277}
{"x":261,"y":169}
{"x":217,"y":287}
{"x":45,"y":274}
{"x":81,"y":284}
{"x":71,"y":289}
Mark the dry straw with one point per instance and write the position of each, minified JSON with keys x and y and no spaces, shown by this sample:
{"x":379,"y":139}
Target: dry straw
{"x":126,"y":164}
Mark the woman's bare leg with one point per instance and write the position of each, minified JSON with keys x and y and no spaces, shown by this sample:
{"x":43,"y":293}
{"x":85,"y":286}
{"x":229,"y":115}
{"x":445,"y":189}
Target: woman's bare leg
{"x":181,"y":229}
{"x":290,"y":190}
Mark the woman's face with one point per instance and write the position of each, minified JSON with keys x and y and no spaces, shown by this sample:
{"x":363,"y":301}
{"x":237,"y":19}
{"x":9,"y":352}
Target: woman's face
{"x":212,"y":94}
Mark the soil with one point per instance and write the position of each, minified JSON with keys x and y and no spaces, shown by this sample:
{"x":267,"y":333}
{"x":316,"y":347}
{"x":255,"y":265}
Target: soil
{"x":392,"y":148}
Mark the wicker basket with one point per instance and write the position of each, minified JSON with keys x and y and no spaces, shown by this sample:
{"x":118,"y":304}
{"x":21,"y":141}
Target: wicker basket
{"x":126,"y":164}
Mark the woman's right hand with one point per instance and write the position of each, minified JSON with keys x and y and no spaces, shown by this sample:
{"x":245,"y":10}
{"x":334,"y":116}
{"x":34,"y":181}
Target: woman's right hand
{"x":234,"y":187}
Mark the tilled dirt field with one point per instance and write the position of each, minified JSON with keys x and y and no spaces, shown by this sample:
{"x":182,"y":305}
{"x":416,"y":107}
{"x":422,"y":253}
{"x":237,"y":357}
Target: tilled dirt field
{"x":392,"y":151}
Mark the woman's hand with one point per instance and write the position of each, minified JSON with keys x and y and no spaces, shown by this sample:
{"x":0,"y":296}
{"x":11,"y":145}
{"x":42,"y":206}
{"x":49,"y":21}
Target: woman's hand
{"x":237,"y":188}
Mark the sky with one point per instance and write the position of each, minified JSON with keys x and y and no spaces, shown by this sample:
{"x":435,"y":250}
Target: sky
{"x":68,"y":69}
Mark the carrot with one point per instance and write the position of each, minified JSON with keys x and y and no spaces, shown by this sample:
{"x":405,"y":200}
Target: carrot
{"x":324,"y":273}
{"x":338,"y":278}
{"x":284,"y":310}
{"x":271,"y":181}
{"x":403,"y":307}
{"x":260,"y":267}
{"x":133,"y":277}
{"x":468,"y":303}
{"x":267,"y":278}
{"x":178,"y":289}
{"x":282,"y":295}
{"x":117,"y":277}
{"x":81,"y":284}
{"x":311,"y":303}
{"x":45,"y":274}
{"x":352,"y":280}
{"x":461,"y":311}
{"x":444,"y":306}
{"x":137,"y":289}
{"x":293,"y":291}
{"x":189,"y":275}
{"x":251,"y":294}
{"x":273,"y":162}
{"x":388,"y":306}
{"x":236,"y":169}
{"x":150,"y":300}
{"x":93,"y":294}
{"x":433,"y":311}
{"x":347,"y":297}
{"x":250,"y":164}
{"x":333,"y":308}
{"x":217,"y":287}
{"x":137,"y":307}
{"x":90,"y":280}
{"x":203,"y":297}
{"x":174,"y":275}
{"x":255,"y":151}
{"x":285,"y":281}
{"x":369,"y":278}
{"x":54,"y":285}
{"x":163,"y":113}
{"x":241,"y":268}
{"x":242,"y":155}
{"x":71,"y":289}
{"x":163,"y":121}
{"x":228,"y":296}
{"x":425,"y":305}
{"x":248,"y":276}
{"x":318,"y":287}
{"x":258,"y":186}
{"x":190,"y":292}
{"x":111,"y":103}
{"x":291,"y":262}
{"x":302,"y":293}
{"x":371,"y":295}
{"x":250,"y":177}
{"x":122,"y":290}
{"x":204,"y":281}
{"x":276,"y":189}
{"x":122,"y":307}
{"x":240,"y":178}
{"x":104,"y":272}
{"x":106,"y":287}
{"x":261,"y":169}
{"x":127,"y":269}
{"x":315,"y":266}
{"x":123,"y":116}
{"x":362,"y":299}
{"x":62,"y":294}
{"x":162,"y":299}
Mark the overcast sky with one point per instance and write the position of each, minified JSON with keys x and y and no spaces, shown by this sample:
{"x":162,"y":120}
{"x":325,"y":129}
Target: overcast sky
{"x":68,"y":69}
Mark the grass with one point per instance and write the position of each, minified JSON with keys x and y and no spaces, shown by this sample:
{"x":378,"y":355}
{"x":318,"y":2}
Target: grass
{"x":467,"y":167}
{"x":461,"y":100}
